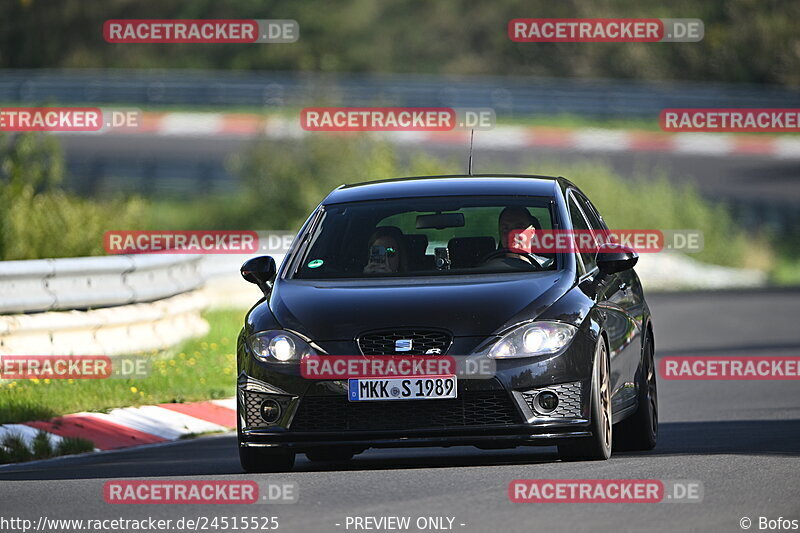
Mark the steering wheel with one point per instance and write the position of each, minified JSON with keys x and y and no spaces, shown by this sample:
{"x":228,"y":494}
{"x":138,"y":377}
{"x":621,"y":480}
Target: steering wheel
{"x":505,"y":251}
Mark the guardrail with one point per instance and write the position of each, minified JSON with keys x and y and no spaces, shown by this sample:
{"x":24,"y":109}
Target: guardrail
{"x":100,"y":305}
{"x":91,"y":282}
{"x":125,"y":329}
{"x":508,"y":95}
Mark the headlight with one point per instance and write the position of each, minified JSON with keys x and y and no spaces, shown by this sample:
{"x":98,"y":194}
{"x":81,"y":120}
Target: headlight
{"x":535,"y":338}
{"x":278,"y":346}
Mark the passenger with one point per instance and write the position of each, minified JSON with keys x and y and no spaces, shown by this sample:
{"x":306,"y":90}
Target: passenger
{"x":387,"y":251}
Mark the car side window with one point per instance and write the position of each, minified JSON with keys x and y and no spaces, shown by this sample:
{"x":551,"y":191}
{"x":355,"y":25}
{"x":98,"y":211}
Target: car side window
{"x":601,"y":231}
{"x":592,"y":215}
{"x":579,"y":223}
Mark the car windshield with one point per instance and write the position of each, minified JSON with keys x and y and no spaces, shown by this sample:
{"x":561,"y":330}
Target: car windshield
{"x":439,"y":236}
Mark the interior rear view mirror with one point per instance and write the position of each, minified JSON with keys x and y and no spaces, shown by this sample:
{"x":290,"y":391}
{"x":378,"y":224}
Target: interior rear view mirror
{"x":440,"y":221}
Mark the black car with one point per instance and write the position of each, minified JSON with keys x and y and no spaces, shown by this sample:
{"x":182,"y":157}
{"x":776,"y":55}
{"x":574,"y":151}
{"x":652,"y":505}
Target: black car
{"x":423,"y":266}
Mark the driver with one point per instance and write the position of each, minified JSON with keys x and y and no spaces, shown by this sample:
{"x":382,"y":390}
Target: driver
{"x":516,"y":218}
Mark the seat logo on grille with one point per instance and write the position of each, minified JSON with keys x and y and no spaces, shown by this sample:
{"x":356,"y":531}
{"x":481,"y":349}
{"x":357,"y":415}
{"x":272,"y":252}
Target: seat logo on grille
{"x":402,"y":345}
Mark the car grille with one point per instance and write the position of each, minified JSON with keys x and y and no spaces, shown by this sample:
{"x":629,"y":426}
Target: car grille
{"x":422,"y":341}
{"x":252,"y":416}
{"x":336,"y":413}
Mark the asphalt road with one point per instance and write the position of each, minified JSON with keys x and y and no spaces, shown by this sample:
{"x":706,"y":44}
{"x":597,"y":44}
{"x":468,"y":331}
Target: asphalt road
{"x":740,"y":439}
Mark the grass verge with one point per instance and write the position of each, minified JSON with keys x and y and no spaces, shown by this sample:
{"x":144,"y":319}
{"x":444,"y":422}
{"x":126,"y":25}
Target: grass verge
{"x":14,"y":450}
{"x":199,"y":369}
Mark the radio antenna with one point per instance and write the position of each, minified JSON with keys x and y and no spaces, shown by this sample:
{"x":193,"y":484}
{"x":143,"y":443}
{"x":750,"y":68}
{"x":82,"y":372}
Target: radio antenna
{"x":469,"y":163}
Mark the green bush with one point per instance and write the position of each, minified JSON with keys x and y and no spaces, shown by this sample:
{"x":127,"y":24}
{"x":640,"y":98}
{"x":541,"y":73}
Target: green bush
{"x":285,"y":180}
{"x":72,"y":445}
{"x":42,"y":449}
{"x":657,"y":202}
{"x":14,"y":449}
{"x":38,"y":219}
{"x":282,"y":181}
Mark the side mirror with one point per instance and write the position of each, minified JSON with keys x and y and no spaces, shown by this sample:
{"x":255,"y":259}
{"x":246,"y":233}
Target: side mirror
{"x":260,"y":270}
{"x":613,"y":258}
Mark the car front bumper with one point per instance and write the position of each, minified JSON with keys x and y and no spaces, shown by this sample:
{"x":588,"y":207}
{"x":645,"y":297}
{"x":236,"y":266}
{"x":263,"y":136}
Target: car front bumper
{"x":486,"y":413}
{"x":499,"y":411}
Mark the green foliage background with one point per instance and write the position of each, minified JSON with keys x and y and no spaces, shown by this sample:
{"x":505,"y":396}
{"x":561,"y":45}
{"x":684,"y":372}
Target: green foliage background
{"x":37,"y":218}
{"x":745,"y":40}
{"x":282,"y":182}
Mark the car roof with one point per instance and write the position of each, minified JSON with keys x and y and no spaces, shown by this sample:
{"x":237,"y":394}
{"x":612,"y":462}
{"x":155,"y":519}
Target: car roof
{"x":452,"y":185}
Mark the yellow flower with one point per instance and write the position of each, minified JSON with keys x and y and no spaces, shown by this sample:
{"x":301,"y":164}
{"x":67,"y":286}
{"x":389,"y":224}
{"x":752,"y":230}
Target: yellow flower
{"x":213,"y":345}
{"x":182,"y":356}
{"x":226,"y":370}
{"x":70,"y":381}
{"x":172,"y":362}
{"x":134,"y":390}
{"x":141,"y":393}
{"x":35,"y":380}
{"x":47,"y":381}
{"x":202,"y":381}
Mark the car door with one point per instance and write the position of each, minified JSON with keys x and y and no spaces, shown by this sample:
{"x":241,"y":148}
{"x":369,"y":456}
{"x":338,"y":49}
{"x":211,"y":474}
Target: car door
{"x":617,"y":301}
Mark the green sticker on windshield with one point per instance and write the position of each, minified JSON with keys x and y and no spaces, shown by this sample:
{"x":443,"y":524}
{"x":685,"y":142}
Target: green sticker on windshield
{"x":316,"y":263}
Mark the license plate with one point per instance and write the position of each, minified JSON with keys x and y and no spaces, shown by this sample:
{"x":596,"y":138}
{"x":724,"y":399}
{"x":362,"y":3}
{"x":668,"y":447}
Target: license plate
{"x":414,"y":388}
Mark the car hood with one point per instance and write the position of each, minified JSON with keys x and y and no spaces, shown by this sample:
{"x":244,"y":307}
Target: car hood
{"x":341,"y":310}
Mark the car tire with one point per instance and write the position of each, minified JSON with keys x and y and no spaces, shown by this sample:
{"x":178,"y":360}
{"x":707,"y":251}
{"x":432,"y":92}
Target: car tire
{"x":639,"y":432}
{"x":330,"y":454}
{"x":598,"y":446}
{"x":265,"y":460}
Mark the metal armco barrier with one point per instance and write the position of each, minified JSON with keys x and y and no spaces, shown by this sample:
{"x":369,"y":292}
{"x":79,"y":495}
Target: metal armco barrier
{"x":119,"y":330}
{"x":100,"y":305}
{"x":92,"y":282}
{"x":124,"y":329}
{"x":507,"y":95}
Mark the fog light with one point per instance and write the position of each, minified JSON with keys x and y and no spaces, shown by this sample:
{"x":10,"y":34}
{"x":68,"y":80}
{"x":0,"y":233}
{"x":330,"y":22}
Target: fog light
{"x":270,"y":411}
{"x":547,"y":401}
